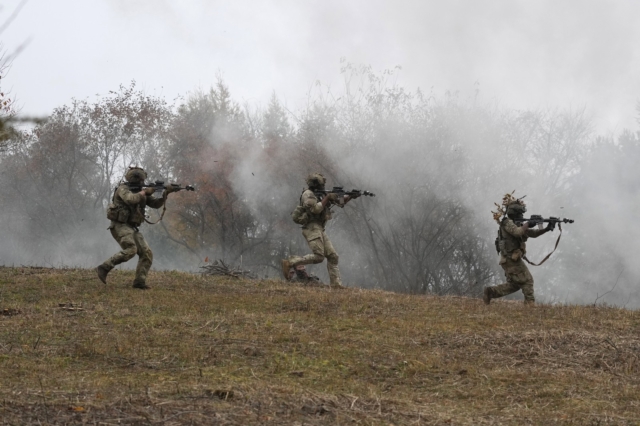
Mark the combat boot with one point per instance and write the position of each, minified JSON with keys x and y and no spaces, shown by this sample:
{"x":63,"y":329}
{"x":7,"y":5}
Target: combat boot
{"x":140,"y":284}
{"x":102,"y":271}
{"x":486,"y":296}
{"x":337,"y":286}
{"x":286,"y":267}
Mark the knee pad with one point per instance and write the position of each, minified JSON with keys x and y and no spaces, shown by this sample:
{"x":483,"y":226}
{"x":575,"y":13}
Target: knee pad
{"x":333,"y":258}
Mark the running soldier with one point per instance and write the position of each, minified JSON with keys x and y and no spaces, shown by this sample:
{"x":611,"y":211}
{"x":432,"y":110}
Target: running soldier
{"x":511,"y":243}
{"x":127,"y":212}
{"x":313,"y":214}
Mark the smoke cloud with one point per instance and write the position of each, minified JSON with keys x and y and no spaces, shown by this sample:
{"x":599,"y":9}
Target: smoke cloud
{"x":491,"y":98}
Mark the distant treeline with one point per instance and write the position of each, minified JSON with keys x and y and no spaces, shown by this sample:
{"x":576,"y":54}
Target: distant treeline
{"x":436,"y":162}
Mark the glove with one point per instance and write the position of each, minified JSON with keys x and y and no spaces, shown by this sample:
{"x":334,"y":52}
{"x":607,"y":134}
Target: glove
{"x":551,"y":226}
{"x":148,"y":191}
{"x":532,"y":224}
{"x":333,"y":197}
{"x":172,"y":188}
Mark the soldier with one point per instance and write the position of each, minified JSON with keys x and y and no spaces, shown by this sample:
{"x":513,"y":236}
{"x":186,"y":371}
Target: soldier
{"x":127,"y":212}
{"x":511,"y":243}
{"x":316,"y":214}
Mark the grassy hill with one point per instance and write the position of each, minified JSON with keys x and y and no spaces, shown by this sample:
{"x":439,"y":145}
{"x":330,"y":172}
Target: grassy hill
{"x":197,"y":350}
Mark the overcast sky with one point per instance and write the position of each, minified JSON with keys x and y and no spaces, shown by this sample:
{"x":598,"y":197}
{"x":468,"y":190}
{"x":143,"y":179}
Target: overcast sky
{"x":523,"y":54}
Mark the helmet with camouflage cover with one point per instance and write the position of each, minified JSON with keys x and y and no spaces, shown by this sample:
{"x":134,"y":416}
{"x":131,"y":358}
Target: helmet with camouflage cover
{"x":135,"y":175}
{"x":516,"y":209}
{"x":511,"y":207}
{"x":316,"y":180}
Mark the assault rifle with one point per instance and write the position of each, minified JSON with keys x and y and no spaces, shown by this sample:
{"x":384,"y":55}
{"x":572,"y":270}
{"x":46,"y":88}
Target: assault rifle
{"x":160,"y":186}
{"x":539,"y":220}
{"x":339,"y":190}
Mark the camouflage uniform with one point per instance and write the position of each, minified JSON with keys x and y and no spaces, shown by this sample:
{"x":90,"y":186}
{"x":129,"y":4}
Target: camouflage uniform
{"x":317,"y":239}
{"x":126,"y":232}
{"x":512,"y":248}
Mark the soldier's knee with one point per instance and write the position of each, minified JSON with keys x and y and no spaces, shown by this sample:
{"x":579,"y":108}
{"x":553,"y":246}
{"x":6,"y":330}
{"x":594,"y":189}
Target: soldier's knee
{"x":333,"y":258}
{"x":147,"y":254}
{"x":129,"y":252}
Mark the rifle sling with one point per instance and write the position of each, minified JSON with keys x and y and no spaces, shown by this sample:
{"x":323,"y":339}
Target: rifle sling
{"x":549,"y":255}
{"x":164,"y":209}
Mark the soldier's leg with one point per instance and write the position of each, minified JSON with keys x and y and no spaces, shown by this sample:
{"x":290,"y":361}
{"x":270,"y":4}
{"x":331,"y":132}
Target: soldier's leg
{"x":332,"y":262}
{"x":145,"y":259}
{"x":525,"y":280}
{"x":317,"y":247}
{"x":314,"y":239}
{"x":123,"y":234}
{"x":503,"y":289}
{"x":506,"y":288}
{"x":314,"y":236}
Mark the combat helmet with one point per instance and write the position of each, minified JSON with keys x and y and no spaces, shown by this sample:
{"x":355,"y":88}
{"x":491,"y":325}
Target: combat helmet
{"x":316,"y":180}
{"x":135,"y":175}
{"x":511,"y":206}
{"x":516,"y":209}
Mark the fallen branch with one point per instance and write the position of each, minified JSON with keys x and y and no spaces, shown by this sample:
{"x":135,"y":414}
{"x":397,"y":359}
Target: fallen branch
{"x":612,"y":288}
{"x":219,"y":268}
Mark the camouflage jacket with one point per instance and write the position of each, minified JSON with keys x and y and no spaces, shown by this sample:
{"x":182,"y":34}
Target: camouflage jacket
{"x":513,"y":240}
{"x":136,"y":204}
{"x":318,"y":214}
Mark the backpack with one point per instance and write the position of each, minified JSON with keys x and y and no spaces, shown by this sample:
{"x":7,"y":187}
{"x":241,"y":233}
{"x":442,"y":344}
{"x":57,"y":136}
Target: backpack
{"x":299,"y":214}
{"x":117,"y":212}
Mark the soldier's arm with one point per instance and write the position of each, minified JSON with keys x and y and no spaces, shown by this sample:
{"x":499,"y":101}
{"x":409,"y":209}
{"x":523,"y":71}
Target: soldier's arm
{"x":312,"y":204}
{"x":155,"y":203}
{"x":130,"y":197}
{"x":535,"y":233}
{"x":515,"y":230}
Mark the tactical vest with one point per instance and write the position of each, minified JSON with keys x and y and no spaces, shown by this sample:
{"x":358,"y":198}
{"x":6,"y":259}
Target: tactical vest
{"x":303,"y":216}
{"x":507,"y":244}
{"x":119,"y":211}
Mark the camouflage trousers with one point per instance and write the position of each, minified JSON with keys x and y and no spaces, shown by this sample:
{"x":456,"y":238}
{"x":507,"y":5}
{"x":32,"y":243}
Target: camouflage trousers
{"x":321,"y":247}
{"x":132,"y":242}
{"x":518,"y":278}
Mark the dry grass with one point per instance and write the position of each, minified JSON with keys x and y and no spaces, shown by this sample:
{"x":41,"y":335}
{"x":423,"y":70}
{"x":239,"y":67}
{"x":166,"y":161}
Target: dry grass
{"x":197,"y":350}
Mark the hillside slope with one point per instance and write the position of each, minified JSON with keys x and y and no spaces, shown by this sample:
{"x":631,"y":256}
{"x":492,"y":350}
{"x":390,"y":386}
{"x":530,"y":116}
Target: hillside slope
{"x":197,"y":350}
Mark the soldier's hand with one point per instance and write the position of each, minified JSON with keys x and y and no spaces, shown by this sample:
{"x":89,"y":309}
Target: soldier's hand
{"x":172,"y":188}
{"x":532,"y":224}
{"x":551,"y":226}
{"x":148,"y":191}
{"x":333,"y":197}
